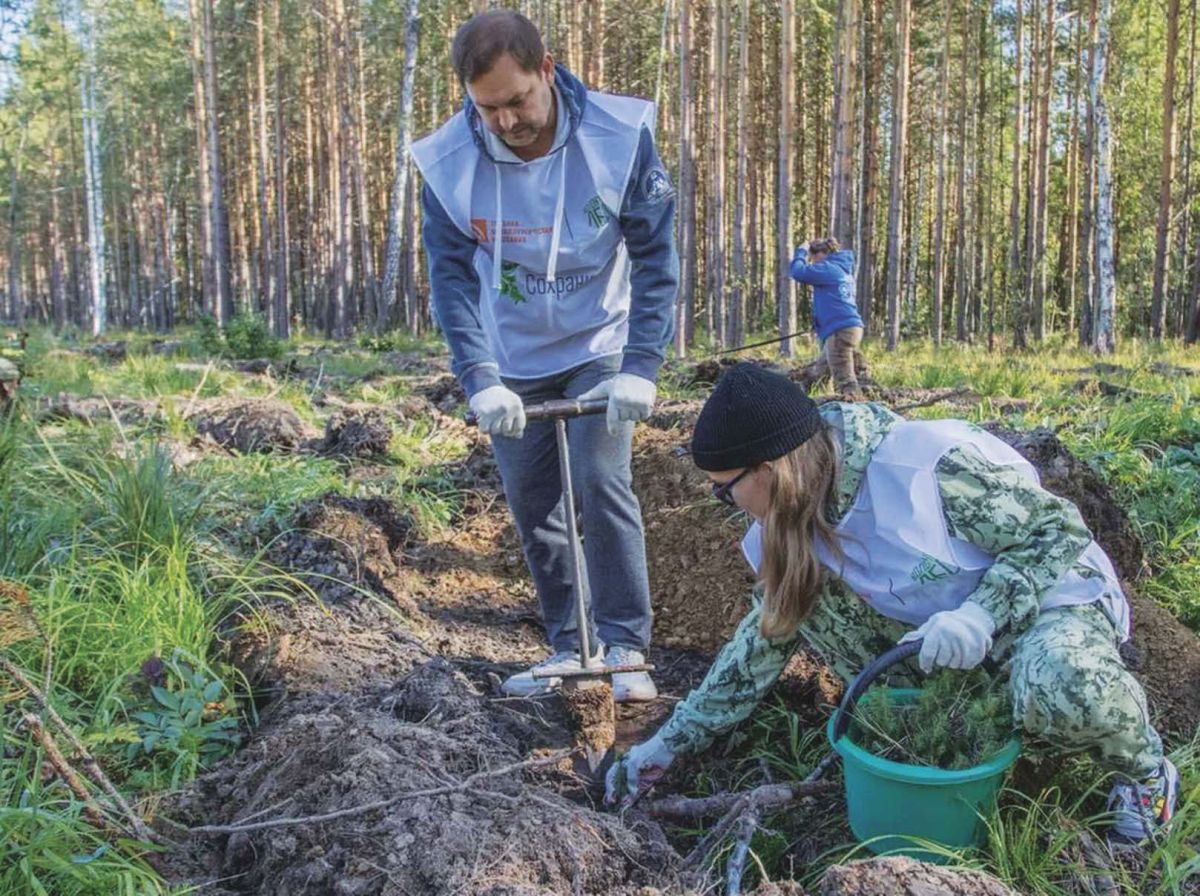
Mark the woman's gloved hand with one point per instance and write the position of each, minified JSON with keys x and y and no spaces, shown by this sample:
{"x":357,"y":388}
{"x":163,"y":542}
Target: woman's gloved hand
{"x":637,"y":771}
{"x":959,"y":638}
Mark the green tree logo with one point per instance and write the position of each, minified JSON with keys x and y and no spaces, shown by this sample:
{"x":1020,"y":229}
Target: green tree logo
{"x":597,"y":213}
{"x":508,"y":283}
{"x":931,"y":570}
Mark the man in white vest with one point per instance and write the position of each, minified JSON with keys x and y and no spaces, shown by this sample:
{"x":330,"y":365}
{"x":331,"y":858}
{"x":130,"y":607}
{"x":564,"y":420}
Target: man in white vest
{"x":549,"y":226}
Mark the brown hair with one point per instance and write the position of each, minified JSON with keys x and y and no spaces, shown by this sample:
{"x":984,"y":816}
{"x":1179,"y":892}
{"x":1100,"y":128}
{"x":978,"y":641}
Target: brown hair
{"x":824,"y":245}
{"x":484,"y":38}
{"x":801,"y":491}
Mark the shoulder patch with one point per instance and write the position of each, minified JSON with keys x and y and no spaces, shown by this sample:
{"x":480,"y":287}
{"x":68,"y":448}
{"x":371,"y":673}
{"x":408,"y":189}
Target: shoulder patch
{"x":656,"y":184}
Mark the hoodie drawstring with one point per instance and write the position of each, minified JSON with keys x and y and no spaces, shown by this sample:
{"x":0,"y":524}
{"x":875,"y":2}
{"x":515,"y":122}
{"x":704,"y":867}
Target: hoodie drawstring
{"x":497,"y":235}
{"x":556,"y":232}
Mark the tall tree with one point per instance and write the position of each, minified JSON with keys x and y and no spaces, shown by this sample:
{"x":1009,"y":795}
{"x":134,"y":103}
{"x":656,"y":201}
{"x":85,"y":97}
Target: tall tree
{"x":1015,"y":269}
{"x":93,"y":173}
{"x":391,"y":268}
{"x":737,"y":294}
{"x":1162,"y":259}
{"x":1104,"y":325}
{"x":686,"y":219}
{"x":899,"y":147}
{"x":845,"y":69}
{"x":783,"y":194}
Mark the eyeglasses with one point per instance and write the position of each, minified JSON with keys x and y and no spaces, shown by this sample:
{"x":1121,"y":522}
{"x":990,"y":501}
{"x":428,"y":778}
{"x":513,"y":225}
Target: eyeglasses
{"x":723,"y":491}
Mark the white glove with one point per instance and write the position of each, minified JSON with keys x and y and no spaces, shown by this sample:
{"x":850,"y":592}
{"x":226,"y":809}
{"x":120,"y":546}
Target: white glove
{"x":630,"y":398}
{"x":958,"y":638}
{"x":643,"y":765}
{"x":499,"y":411}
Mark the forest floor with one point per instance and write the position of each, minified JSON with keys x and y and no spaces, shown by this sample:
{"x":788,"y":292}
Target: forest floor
{"x":383,"y":598}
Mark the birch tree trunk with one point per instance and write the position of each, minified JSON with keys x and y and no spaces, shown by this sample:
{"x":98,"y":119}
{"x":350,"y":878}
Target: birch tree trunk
{"x":92,"y":175}
{"x":899,"y":149}
{"x":391,"y":268}
{"x":1103,"y":338}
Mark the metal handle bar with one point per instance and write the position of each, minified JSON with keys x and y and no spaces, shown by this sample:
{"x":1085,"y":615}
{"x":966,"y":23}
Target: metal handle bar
{"x":558,"y":407}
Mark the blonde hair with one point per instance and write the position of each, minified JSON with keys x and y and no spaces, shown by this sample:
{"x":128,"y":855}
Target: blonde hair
{"x":801,"y":491}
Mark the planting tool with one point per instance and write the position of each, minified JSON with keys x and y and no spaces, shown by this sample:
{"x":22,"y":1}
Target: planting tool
{"x":588,"y":690}
{"x":895,"y":807}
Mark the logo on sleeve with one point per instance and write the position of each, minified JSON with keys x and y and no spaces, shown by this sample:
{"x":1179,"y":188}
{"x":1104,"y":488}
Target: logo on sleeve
{"x":656,"y":185}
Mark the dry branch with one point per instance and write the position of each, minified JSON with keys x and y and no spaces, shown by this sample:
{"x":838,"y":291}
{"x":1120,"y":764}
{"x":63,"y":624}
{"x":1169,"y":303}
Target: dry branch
{"x":948,"y":395}
{"x":90,"y":766}
{"x":55,"y":757}
{"x":768,"y":796}
{"x":467,"y":783}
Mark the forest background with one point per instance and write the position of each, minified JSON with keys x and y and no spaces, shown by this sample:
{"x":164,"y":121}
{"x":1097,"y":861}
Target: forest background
{"x":1006,"y":172}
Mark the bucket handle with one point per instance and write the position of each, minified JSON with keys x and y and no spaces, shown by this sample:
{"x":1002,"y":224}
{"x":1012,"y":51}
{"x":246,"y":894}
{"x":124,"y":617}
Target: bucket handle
{"x":864,"y":679}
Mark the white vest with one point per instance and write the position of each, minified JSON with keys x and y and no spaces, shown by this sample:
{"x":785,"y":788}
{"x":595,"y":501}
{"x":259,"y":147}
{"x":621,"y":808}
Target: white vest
{"x":552,"y":264}
{"x":899,"y":555}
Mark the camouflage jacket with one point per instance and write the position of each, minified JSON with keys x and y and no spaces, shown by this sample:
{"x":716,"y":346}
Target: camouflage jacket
{"x":1033,"y":535}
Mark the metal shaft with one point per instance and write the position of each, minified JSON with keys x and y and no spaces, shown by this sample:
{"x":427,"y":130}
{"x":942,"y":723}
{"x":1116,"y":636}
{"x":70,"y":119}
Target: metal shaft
{"x":578,"y":565}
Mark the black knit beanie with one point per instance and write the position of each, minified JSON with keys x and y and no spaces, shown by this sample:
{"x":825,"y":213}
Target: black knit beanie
{"x":753,"y":415}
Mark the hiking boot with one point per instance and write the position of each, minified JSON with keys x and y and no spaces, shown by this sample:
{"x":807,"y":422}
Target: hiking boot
{"x":1143,"y":811}
{"x":523,"y":684}
{"x":630,"y":687}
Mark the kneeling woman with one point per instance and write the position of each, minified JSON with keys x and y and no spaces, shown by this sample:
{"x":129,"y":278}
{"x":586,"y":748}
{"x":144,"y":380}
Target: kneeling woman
{"x":870,"y":529}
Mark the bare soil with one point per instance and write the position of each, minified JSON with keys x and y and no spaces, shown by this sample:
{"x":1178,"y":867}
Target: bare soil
{"x":386,"y":685}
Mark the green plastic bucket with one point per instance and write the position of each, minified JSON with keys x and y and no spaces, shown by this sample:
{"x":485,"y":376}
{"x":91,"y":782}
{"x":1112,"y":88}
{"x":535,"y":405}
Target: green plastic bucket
{"x":892,"y":804}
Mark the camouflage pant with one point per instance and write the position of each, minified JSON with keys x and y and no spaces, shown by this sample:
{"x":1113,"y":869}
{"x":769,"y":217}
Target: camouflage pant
{"x":1069,"y":685}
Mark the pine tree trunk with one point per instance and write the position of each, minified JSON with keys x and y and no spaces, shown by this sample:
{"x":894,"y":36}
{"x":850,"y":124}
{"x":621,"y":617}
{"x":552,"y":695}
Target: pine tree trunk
{"x":1162,"y":230}
{"x":685,"y":308}
{"x":1039,"y":254}
{"x":280,"y":302}
{"x":1015,"y":270}
{"x":264,"y":181}
{"x":899,"y":150}
{"x":841,"y":181}
{"x":939,"y":252}
{"x":783,"y":204}
{"x":960,"y":230}
{"x":716,"y":248}
{"x":737,"y":293}
{"x":1183,"y":281}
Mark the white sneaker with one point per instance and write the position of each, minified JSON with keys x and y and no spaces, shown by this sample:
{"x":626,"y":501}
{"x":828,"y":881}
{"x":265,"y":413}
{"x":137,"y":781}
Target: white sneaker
{"x":630,"y":687}
{"x":523,"y":684}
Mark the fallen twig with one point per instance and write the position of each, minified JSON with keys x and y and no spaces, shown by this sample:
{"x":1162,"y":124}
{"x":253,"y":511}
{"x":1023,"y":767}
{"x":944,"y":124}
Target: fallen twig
{"x":1096,"y":878}
{"x":746,"y":827}
{"x":465,"y":784}
{"x":934,"y":399}
{"x":766,"y":796}
{"x":55,"y":757}
{"x":90,"y":766}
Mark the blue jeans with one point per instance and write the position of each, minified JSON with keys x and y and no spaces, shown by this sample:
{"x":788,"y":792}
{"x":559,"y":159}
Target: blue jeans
{"x":614,"y":545}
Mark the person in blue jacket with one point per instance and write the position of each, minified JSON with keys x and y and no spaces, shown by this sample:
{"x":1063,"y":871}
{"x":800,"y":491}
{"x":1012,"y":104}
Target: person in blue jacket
{"x":829,"y":270}
{"x":549,"y":228}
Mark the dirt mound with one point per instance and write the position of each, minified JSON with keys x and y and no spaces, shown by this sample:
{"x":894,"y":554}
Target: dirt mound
{"x":357,"y":432}
{"x":443,"y":392}
{"x":248,"y":425}
{"x":699,"y":581}
{"x":411,"y":748}
{"x":895,"y":875}
{"x":1067,"y":476}
{"x":340,"y":546}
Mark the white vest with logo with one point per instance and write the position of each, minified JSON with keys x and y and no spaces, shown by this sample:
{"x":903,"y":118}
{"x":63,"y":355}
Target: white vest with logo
{"x":560,"y":295}
{"x":899,"y":554}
